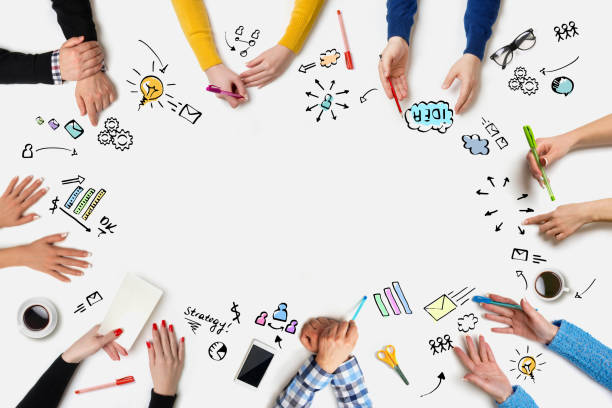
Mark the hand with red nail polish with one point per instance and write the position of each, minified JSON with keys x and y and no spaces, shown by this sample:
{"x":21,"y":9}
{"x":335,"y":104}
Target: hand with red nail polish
{"x":166,"y":359}
{"x":90,"y":343}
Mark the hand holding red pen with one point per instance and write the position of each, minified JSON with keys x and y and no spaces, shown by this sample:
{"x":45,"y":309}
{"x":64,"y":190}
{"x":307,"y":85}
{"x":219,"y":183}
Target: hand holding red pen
{"x":392,"y":67}
{"x":224,"y":78}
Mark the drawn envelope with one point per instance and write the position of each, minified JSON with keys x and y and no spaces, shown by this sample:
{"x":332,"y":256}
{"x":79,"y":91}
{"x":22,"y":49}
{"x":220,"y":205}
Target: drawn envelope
{"x":93,"y":298}
{"x":520,"y":254}
{"x":492,"y":129}
{"x":190,"y":113}
{"x":501,"y":142}
{"x":440,"y":307}
{"x":74,"y":129}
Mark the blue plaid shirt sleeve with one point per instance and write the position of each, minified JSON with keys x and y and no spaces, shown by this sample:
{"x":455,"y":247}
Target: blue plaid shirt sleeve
{"x":302,"y":388}
{"x":349,"y":386}
{"x":56,"y":75}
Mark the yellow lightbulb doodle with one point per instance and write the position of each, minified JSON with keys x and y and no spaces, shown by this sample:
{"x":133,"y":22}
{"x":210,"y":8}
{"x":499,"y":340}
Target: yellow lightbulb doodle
{"x":527,"y":365}
{"x":152,"y":88}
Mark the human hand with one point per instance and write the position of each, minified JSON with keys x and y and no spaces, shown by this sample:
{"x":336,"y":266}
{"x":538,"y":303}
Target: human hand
{"x":223,"y":77}
{"x":78,"y":59}
{"x":392,"y":65}
{"x":89,"y":344}
{"x":17,"y":198}
{"x":564,"y":220}
{"x":527,"y":323}
{"x":550,"y":149}
{"x":336,"y":342}
{"x":268,"y":66}
{"x":484,"y":371}
{"x":166,"y":359}
{"x":311,"y":331}
{"x":94,"y":94}
{"x":42,"y":255}
{"x":467,"y":69}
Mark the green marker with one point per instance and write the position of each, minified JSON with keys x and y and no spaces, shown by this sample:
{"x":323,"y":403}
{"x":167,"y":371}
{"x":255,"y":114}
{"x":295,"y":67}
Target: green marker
{"x":533,"y":146}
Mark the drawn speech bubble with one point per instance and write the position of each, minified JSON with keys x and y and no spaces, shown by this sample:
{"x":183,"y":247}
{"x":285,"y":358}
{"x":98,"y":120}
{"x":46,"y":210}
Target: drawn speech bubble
{"x":424,"y":116}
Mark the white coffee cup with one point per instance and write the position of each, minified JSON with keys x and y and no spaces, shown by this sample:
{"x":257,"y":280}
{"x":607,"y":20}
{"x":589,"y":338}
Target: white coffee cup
{"x":550,"y":284}
{"x":37,"y":317}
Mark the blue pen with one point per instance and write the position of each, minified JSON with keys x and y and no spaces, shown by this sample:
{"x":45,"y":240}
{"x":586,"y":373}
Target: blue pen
{"x":482,"y":299}
{"x":359,"y":307}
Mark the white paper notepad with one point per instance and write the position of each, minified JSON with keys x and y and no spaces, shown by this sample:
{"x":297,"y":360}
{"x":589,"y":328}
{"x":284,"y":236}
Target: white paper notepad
{"x":131,"y":308}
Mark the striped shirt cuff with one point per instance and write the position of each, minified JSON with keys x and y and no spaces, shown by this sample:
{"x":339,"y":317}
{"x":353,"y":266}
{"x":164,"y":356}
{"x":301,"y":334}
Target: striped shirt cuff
{"x":56,"y":75}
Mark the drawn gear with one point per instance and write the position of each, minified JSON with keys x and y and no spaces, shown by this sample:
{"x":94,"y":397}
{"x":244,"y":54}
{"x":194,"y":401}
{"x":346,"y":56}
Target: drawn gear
{"x":514,"y":84}
{"x":123,"y":140}
{"x":111,"y":124}
{"x":530,"y":86}
{"x":105,"y":137}
{"x":520,"y":72}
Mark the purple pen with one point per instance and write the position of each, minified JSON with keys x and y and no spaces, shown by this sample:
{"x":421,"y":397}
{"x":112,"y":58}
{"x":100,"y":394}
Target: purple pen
{"x":216,"y":89}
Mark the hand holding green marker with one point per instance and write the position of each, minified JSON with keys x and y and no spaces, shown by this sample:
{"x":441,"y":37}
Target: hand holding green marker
{"x":534,"y":151}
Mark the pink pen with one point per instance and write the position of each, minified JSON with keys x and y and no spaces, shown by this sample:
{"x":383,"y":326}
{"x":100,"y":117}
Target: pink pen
{"x":216,"y":89}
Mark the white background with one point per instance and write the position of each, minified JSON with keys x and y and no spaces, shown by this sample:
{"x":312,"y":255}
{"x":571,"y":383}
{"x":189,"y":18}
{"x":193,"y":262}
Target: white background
{"x":263,"y":205}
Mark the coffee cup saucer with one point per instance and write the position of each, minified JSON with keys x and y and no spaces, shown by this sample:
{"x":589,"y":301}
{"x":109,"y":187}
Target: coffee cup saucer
{"x":48,"y":329}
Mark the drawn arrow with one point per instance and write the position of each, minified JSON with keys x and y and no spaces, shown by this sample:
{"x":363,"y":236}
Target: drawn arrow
{"x":309,"y":108}
{"x":231,"y":47}
{"x":488,"y":213}
{"x":543,"y":71}
{"x":344,"y":105}
{"x":79,"y":222}
{"x":311,"y":94}
{"x":303,"y":68}
{"x":319,"y":117}
{"x":51,"y":148}
{"x":579,"y":296}
{"x":498,"y":227}
{"x":520,"y":274}
{"x":521,"y":231}
{"x":78,"y":179}
{"x":163,"y":70}
{"x":524,"y":195}
{"x":333,"y":114}
{"x":362,"y":98}
{"x":491,"y":180}
{"x":528,"y":210}
{"x":278,"y":341}
{"x":506,"y":181}
{"x":318,"y":83}
{"x":342,"y":92}
{"x":440,"y":378}
{"x":333,"y":82}
{"x":479,"y":192}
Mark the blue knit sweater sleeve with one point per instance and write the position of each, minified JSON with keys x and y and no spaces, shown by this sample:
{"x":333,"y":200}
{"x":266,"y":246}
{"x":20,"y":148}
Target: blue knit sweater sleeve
{"x":400,"y":17}
{"x":584,"y":351}
{"x":518,"y":399}
{"x":478,"y":20}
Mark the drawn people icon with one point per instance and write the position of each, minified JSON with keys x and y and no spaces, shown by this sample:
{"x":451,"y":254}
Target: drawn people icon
{"x":261,"y":319}
{"x":255,"y":34}
{"x":448,"y":341}
{"x":558,"y":33}
{"x":280,"y":313}
{"x":440,"y":344}
{"x":433,"y":347}
{"x":27,"y":152}
{"x":291,"y":327}
{"x":327,"y":101}
{"x":572,"y":29}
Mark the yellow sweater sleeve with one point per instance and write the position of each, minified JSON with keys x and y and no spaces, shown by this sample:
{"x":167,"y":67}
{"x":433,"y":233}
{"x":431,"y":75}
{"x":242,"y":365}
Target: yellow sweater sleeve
{"x":304,"y":14}
{"x":194,"y":20}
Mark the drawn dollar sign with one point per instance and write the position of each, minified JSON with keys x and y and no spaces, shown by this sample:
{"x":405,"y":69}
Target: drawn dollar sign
{"x":54,"y":202}
{"x":236,"y":312}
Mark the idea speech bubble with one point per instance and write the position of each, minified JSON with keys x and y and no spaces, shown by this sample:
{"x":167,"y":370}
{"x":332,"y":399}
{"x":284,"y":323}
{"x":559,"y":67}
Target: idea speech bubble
{"x":424,"y":116}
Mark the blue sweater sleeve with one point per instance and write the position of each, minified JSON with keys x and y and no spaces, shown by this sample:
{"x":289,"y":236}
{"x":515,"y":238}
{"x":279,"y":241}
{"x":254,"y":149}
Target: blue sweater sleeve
{"x":518,"y":399}
{"x":400,"y":17}
{"x":584,"y":351}
{"x":478,"y":20}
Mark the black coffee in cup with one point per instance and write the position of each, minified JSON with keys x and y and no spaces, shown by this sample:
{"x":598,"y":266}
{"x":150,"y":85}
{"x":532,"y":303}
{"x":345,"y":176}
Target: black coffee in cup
{"x":36,"y":317}
{"x":548,"y":284}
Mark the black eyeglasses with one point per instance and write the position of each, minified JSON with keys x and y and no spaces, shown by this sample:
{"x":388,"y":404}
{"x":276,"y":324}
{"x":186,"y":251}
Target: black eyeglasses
{"x":523,"y":41}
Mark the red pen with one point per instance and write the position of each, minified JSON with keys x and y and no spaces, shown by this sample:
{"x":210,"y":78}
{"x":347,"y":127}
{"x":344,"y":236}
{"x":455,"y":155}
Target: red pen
{"x":347,"y":53}
{"x":216,"y":89}
{"x":119,"y":381}
{"x":399,"y":108}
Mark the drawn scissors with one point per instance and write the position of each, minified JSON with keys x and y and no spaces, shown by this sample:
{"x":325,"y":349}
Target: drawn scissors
{"x":387,"y":356}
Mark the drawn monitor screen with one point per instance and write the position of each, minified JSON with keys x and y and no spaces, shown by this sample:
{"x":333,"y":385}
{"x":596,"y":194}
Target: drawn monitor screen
{"x":255,"y":366}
